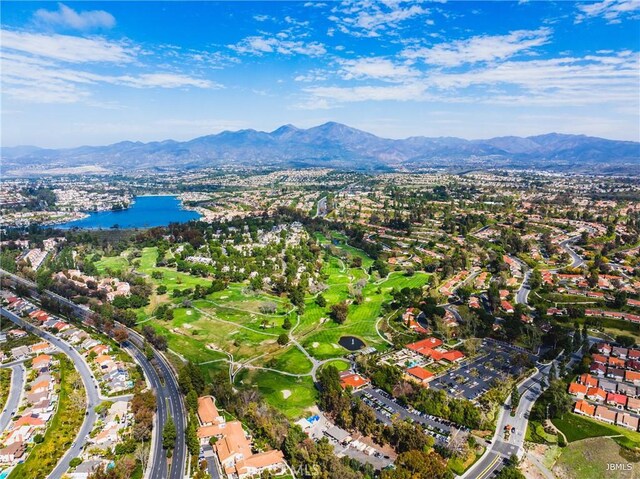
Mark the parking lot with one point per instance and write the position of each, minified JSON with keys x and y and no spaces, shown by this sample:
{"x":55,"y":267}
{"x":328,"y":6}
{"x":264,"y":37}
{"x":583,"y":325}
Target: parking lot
{"x":346,"y":445}
{"x":474,"y":378}
{"x":385,"y":407}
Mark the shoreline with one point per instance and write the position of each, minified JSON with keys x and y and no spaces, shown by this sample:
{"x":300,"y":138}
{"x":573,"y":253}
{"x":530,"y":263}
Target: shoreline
{"x":86,"y":215}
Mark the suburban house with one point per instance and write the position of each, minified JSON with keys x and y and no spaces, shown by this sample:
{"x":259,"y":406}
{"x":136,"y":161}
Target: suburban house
{"x":605,"y":414}
{"x":233,"y":446}
{"x":419,"y":375}
{"x":349,"y":379}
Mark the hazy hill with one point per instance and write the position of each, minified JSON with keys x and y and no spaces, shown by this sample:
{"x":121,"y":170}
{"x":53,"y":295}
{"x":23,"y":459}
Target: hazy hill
{"x":338,"y":145}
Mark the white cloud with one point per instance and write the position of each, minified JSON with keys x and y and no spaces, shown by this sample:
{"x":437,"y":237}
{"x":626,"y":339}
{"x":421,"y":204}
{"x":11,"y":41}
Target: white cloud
{"x":377,"y":68}
{"x":259,"y":45}
{"x":371,"y":18}
{"x":610,"y":10}
{"x":68,"y":48}
{"x":62,"y":69}
{"x":69,"y":18}
{"x":411,"y":91}
{"x":483,"y":48}
{"x":610,"y":80}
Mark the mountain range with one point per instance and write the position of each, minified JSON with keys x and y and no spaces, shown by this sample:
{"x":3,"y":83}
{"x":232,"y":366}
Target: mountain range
{"x":334,"y":145}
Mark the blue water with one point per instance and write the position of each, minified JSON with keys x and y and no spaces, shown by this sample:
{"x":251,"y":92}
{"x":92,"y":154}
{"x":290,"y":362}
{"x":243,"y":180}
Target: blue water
{"x":145,"y":212}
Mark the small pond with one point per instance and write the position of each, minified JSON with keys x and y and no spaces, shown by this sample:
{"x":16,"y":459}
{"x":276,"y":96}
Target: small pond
{"x":351,"y":343}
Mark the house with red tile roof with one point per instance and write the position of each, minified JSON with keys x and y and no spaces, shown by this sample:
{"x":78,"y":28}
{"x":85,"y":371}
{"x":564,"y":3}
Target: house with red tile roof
{"x":588,"y":380}
{"x":616,"y":362}
{"x":617,"y":400}
{"x":419,"y":375}
{"x":453,"y":356}
{"x":584,"y":408}
{"x":596,"y":394}
{"x":40,"y":347}
{"x":600,"y":358}
{"x":506,"y":306}
{"x":208,"y":412}
{"x":428,"y":343}
{"x":41,"y":361}
{"x":349,"y":379}
{"x":604,"y":348}
{"x":578,"y":390}
{"x":28,"y":421}
{"x":632,"y":377}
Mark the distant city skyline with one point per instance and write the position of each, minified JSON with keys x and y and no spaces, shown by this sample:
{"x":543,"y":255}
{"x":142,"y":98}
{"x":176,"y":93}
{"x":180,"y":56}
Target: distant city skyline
{"x":94,"y":73}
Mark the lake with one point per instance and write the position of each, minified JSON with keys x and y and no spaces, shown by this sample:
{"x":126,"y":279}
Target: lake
{"x":145,"y":212}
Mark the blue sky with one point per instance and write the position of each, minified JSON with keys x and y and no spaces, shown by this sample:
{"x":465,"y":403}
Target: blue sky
{"x":78,"y":73}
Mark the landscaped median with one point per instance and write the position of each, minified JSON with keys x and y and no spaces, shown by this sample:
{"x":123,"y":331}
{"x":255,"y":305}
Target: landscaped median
{"x":63,"y":428}
{"x":5,"y":386}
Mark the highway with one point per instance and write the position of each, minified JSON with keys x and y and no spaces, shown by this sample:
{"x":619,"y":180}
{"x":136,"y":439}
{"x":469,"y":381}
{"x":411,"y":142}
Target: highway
{"x":18,"y":375}
{"x":90,"y":385}
{"x":162,"y":380}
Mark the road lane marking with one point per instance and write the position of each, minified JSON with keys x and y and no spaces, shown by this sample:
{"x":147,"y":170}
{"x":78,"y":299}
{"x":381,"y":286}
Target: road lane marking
{"x":487,"y":469}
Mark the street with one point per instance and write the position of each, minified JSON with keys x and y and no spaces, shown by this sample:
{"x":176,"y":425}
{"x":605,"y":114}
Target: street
{"x":18,"y":375}
{"x":168,"y":392}
{"x":576,"y":259}
{"x":90,"y":385}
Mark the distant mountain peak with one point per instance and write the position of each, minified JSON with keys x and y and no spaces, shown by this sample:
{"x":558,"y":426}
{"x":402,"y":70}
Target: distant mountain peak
{"x":337,"y":145}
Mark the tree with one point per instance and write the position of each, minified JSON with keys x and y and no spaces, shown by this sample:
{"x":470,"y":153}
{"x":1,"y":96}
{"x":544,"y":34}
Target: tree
{"x":169,"y":434}
{"x":339,"y":312}
{"x":510,"y":472}
{"x":625,"y":340}
{"x":418,"y":465}
{"x":283,"y":339}
{"x":120,"y":335}
{"x":321,"y":301}
{"x":515,"y":399}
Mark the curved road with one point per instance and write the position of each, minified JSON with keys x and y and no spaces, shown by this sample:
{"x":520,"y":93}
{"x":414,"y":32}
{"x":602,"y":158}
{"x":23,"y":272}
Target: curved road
{"x":576,"y":259}
{"x":163,"y":380}
{"x":90,"y":385}
{"x":18,"y":375}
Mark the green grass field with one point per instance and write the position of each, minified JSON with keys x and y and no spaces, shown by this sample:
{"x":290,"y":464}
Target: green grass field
{"x":590,"y":459}
{"x":62,"y":429}
{"x":232,"y":322}
{"x":292,"y":396}
{"x":114,"y":263}
{"x":5,"y":385}
{"x":577,"y":427}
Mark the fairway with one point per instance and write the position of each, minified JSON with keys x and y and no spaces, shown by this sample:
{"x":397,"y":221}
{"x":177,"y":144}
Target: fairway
{"x":300,"y":392}
{"x":242,"y":325}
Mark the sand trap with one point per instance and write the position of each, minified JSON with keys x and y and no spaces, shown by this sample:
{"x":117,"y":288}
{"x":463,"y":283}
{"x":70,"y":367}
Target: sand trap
{"x":367,"y":300}
{"x":187,"y":326}
{"x":336,"y":346}
{"x":286,"y":393}
{"x":189,"y":312}
{"x":224,"y":297}
{"x":315,"y":345}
